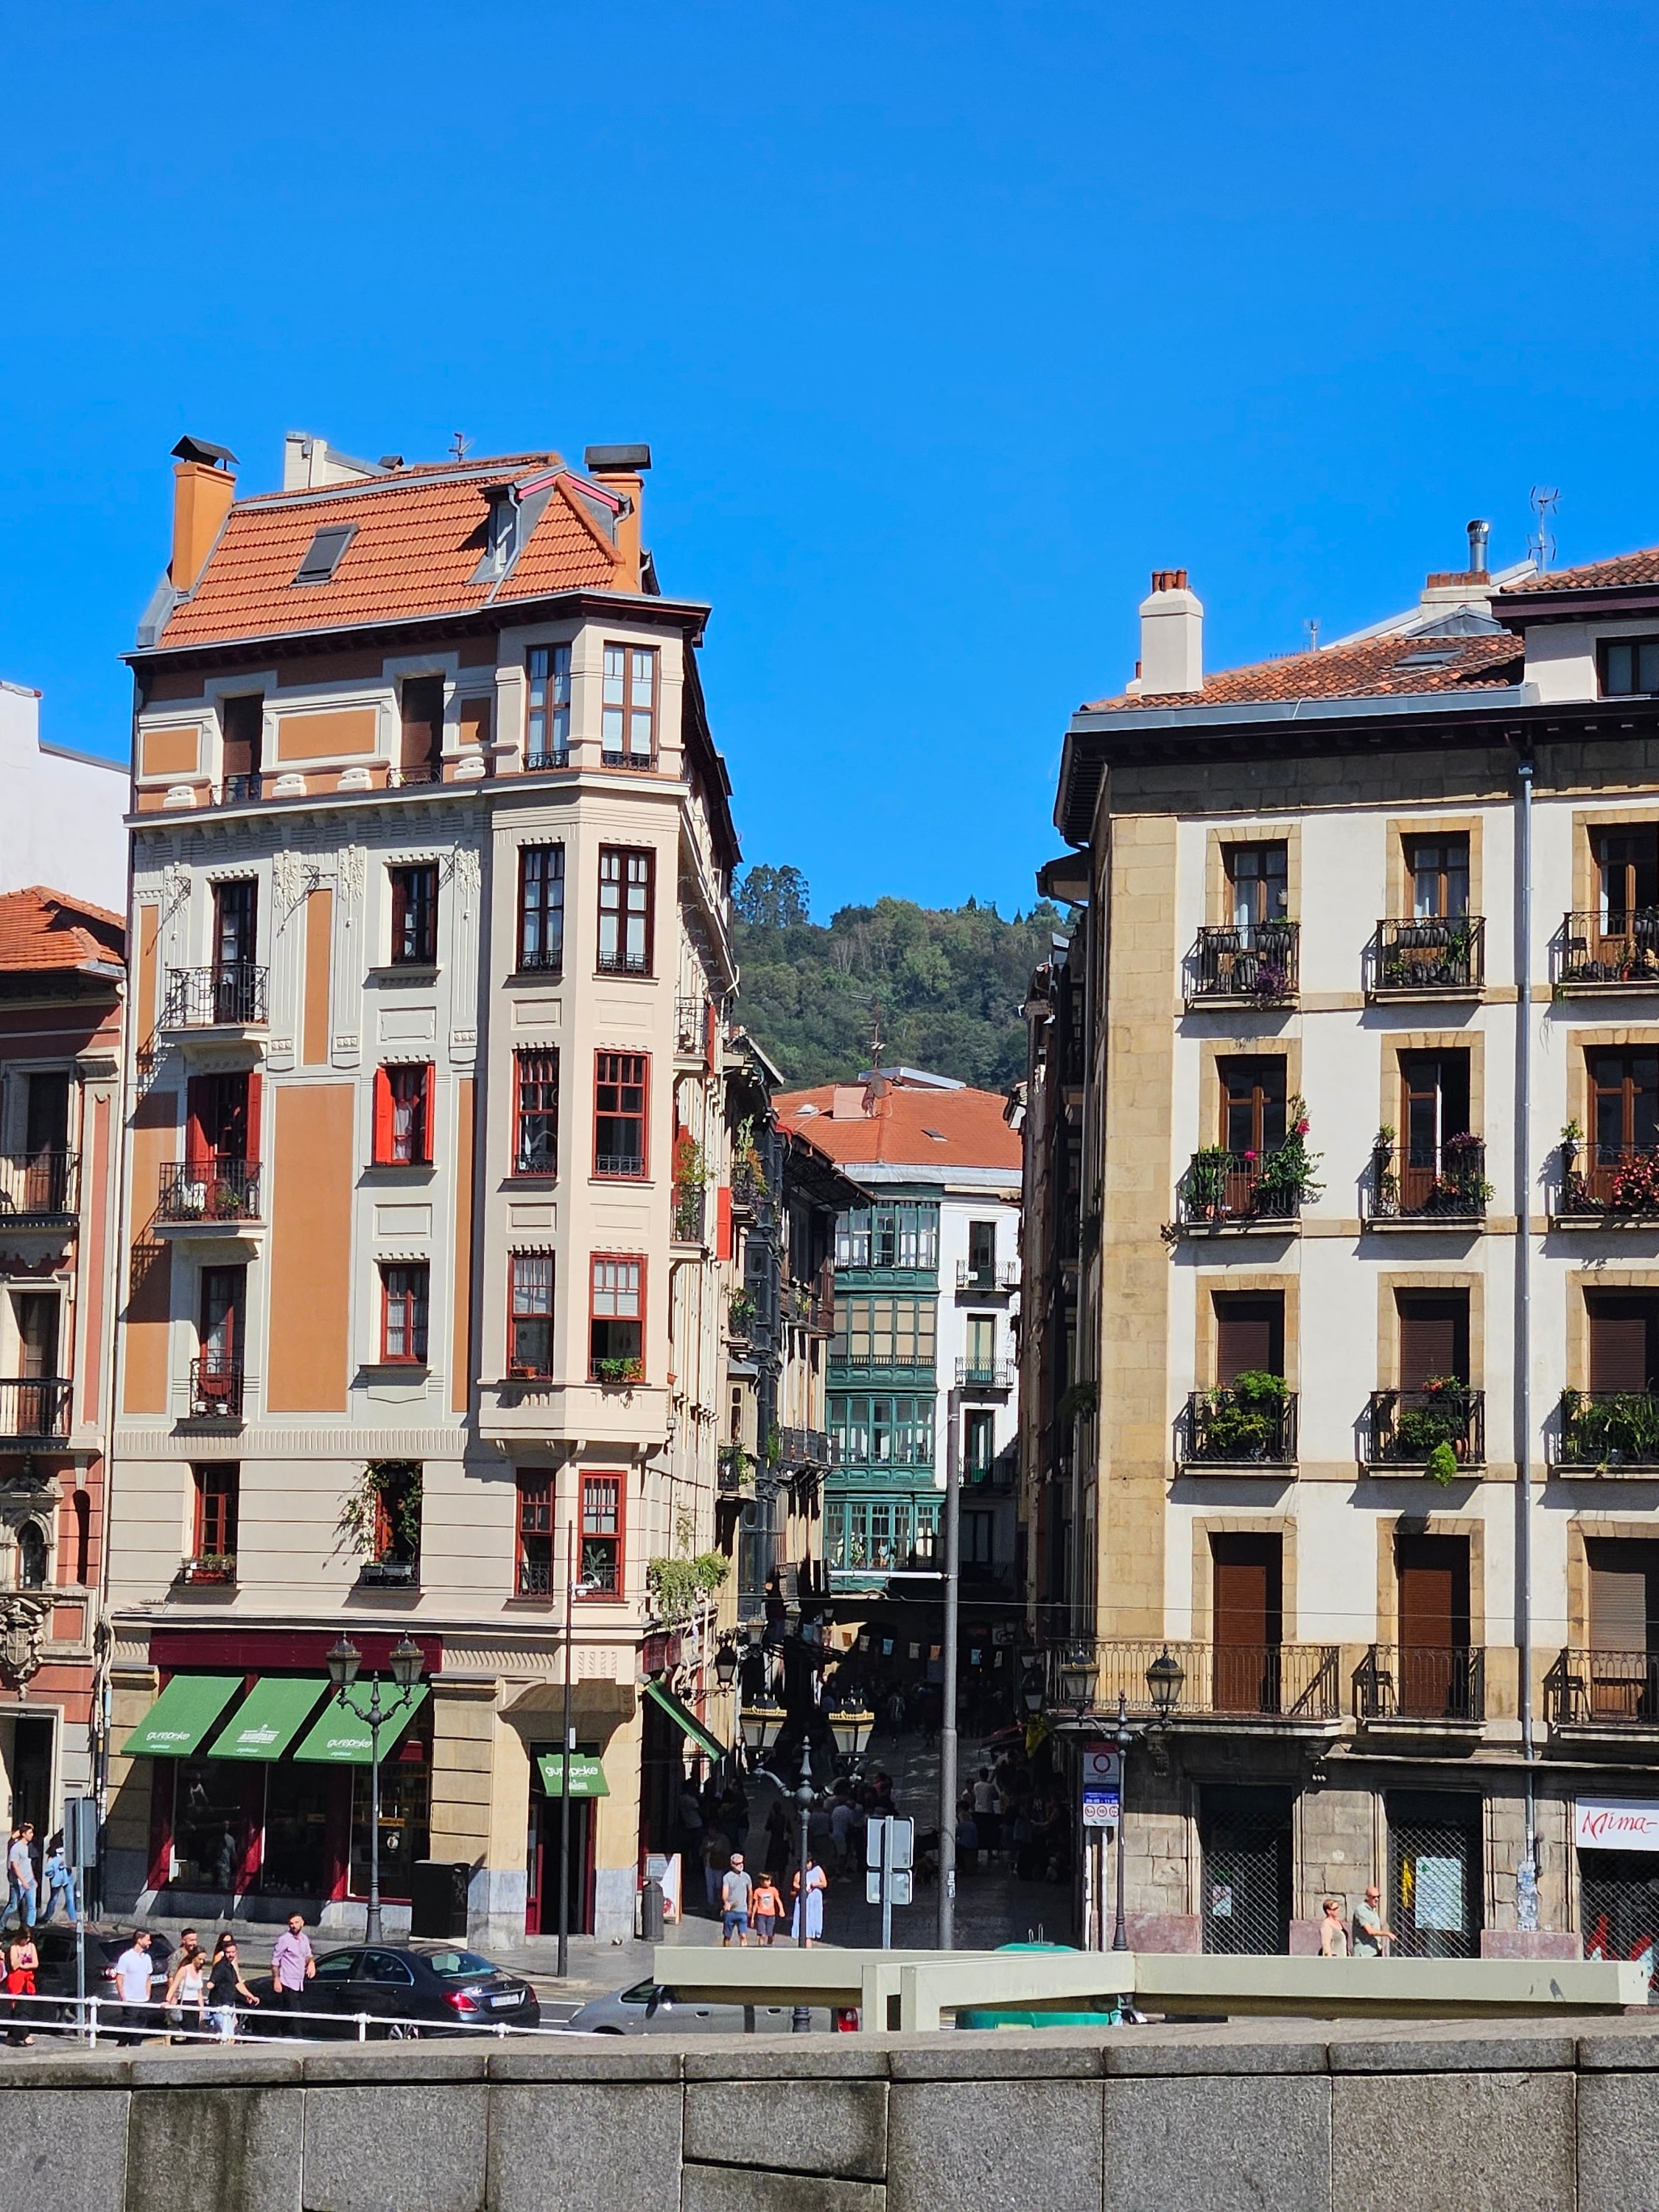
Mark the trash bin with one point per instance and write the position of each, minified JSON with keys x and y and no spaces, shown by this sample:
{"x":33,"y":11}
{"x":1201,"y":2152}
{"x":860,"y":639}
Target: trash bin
{"x":651,"y":1912}
{"x":438,"y":1898}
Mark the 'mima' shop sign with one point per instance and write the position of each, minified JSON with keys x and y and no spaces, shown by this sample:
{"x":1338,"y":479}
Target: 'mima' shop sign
{"x":1615,"y":1824}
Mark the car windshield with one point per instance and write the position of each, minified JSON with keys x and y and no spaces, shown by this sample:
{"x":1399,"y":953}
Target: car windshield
{"x":459,"y":1966}
{"x":641,"y":1993}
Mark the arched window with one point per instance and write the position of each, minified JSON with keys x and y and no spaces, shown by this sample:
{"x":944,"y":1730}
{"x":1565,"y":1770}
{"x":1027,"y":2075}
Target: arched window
{"x":31,"y":1557}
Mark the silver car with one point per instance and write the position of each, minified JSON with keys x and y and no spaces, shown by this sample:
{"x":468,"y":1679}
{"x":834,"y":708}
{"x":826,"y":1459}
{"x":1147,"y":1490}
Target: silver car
{"x":656,"y":2008}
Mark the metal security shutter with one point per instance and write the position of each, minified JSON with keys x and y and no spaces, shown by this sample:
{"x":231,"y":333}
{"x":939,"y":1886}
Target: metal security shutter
{"x":1621,"y":1341}
{"x":1619,"y":1909}
{"x":1435,"y":1905}
{"x":1244,"y":1836}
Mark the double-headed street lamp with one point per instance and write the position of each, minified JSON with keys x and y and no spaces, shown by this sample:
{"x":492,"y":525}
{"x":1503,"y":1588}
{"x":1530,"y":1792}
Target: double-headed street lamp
{"x":1165,"y":1679}
{"x":405,"y":1661}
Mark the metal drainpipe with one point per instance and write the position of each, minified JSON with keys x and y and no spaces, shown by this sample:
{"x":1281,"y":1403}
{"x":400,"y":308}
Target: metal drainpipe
{"x":947,"y":1726}
{"x":1524,"y":1288}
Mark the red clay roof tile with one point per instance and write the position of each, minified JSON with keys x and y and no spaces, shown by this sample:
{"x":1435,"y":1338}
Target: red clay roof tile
{"x":1641,"y":567}
{"x":42,"y":930}
{"x":1375,"y":668}
{"x":971,"y":1130}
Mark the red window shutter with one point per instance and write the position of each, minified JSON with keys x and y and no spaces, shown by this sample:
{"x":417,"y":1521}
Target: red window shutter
{"x":723,"y":1223}
{"x":198,"y":1105}
{"x":382,"y":1115}
{"x":428,"y":1120}
{"x":255,"y":1088}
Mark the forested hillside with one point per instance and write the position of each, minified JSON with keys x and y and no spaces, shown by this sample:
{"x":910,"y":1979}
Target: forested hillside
{"x":948,"y":983}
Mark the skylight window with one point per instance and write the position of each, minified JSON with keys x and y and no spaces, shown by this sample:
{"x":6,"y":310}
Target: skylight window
{"x":324,"y":558}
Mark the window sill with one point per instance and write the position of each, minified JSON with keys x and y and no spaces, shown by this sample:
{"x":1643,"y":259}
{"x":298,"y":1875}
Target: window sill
{"x":399,"y":1167}
{"x":534,"y":975}
{"x":599,"y":1597}
{"x":640,"y":1181}
{"x":623,"y":976}
{"x":517,"y":1173}
{"x":404,"y":971}
{"x":519,"y":1604}
{"x":395,"y":1370}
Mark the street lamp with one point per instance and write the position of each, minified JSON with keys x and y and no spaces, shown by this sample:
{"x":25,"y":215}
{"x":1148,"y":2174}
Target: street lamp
{"x":1165,"y":1679}
{"x":405,"y":1661}
{"x":1031,"y":1691}
{"x":801,"y":2019}
{"x":726,"y":1663}
{"x":1079,"y":1671}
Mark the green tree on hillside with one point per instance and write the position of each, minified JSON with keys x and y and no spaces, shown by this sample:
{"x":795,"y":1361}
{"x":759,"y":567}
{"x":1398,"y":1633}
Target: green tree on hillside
{"x":949,"y":982}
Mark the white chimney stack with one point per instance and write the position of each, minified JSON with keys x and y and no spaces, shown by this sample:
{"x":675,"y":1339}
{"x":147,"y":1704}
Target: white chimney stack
{"x":1171,"y":636}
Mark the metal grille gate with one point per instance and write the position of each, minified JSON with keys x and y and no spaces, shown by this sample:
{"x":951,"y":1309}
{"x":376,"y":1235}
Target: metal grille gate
{"x":1435,"y":1875}
{"x":1245,"y":1836}
{"x":1619,"y":1909}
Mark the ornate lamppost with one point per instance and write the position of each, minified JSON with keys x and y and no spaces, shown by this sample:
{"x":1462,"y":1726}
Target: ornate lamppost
{"x":406,"y":1664}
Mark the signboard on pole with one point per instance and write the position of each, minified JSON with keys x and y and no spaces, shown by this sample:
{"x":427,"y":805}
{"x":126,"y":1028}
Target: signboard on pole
{"x":1101,"y":1785}
{"x":890,"y":1847}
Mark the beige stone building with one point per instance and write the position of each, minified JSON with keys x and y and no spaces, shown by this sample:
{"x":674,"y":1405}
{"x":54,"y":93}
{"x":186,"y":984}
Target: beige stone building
{"x":421,"y":1300}
{"x":1351,"y":1275}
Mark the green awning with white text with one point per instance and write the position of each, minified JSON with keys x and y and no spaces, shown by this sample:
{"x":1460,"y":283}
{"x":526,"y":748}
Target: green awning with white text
{"x":340,"y":1736}
{"x":685,"y":1720}
{"x":176,"y":1723}
{"x":586,"y":1775}
{"x":269,"y":1718}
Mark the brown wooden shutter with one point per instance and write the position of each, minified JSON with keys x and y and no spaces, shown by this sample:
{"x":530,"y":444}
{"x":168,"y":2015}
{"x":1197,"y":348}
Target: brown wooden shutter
{"x":422,"y":736}
{"x":1248,"y":1601}
{"x":1433,"y":1575}
{"x":1249,"y":1333}
{"x":1621,"y":1341}
{"x":244,"y":719}
{"x":1624,"y":1595}
{"x":1434,"y":1339}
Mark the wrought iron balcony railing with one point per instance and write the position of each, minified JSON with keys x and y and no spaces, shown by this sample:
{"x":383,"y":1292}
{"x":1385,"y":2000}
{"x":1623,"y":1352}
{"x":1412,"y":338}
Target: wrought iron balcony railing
{"x":40,"y":1187}
{"x":231,"y":997}
{"x":985,"y":1374}
{"x":643,"y":761}
{"x":1407,"y":958}
{"x":1405,"y":1428}
{"x":1616,"y":946}
{"x":690,"y":1211}
{"x":209,"y":1190}
{"x":215,"y":1387}
{"x":992,"y":1275}
{"x":1421,"y":1682}
{"x":35,"y":1407}
{"x":1246,"y":1424}
{"x":1278,"y":1681}
{"x":239,"y":790}
{"x":535,"y":1578}
{"x":1614,"y":1182}
{"x":691,"y":1027}
{"x":1236,"y":1190}
{"x":1252,"y":960}
{"x":805,"y":1447}
{"x":559,"y":756}
{"x":1611,"y":1689}
{"x":1428,"y":1184}
{"x":624,"y":1164}
{"x":1595,"y":1429}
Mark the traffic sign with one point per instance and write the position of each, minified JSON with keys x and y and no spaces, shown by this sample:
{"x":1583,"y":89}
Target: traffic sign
{"x":899,"y":1890}
{"x":901,"y":1839}
{"x":1101,"y":1785}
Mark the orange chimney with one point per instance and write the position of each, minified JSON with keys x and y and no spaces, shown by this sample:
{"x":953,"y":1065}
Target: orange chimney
{"x":203,"y":489}
{"x":621,"y":469}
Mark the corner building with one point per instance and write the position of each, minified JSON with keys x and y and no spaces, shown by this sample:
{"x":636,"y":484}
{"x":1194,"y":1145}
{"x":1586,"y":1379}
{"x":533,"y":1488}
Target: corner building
{"x":431,"y":858}
{"x":1412,"y":1580}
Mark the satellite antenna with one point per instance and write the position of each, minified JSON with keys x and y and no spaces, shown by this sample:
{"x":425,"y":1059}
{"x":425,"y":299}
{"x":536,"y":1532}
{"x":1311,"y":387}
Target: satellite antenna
{"x":1544,"y":499}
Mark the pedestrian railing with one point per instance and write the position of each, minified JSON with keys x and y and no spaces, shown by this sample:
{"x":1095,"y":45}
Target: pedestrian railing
{"x":103,"y":2019}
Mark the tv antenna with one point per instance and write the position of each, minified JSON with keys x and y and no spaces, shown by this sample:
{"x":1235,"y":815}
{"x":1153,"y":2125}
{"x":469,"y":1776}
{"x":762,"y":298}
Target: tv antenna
{"x":875,"y":1037}
{"x":1312,"y":627}
{"x":1544,"y":499}
{"x":459,"y":445}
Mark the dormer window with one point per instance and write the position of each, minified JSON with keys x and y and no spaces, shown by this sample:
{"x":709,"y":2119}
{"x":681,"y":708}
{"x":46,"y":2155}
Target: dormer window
{"x":324,"y":558}
{"x":1630,"y":666}
{"x":503,"y":531}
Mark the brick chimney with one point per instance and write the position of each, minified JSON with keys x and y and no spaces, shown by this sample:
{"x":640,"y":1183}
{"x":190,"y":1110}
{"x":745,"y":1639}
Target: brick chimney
{"x":203,"y":486}
{"x":1171,"y":636}
{"x":621,"y":469}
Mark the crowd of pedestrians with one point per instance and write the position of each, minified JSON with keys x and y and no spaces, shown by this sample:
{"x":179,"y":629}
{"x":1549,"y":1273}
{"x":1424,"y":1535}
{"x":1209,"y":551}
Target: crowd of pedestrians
{"x":1007,"y":1817}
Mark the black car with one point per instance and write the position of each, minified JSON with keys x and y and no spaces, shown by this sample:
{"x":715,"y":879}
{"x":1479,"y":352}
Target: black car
{"x":410,"y":1990}
{"x":55,"y":1977}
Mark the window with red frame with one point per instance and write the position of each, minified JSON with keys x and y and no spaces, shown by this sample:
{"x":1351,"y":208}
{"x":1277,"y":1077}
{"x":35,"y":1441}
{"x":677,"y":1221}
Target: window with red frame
{"x":602,"y":1536}
{"x":404,"y":1099}
{"x":397,"y":1513}
{"x":535,"y":1560}
{"x":529,"y":1314}
{"x":620,"y":1084}
{"x":616,"y":1318}
{"x":626,"y":878}
{"x":403,"y":1294}
{"x":415,"y":915}
{"x":536,"y":1114}
{"x":217,"y":1488}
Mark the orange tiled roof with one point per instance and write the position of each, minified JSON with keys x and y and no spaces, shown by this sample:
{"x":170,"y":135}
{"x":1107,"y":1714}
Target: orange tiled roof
{"x":419,"y":539}
{"x":42,"y":930}
{"x":1624,"y":568}
{"x":1374,"y":667}
{"x":972,"y":1133}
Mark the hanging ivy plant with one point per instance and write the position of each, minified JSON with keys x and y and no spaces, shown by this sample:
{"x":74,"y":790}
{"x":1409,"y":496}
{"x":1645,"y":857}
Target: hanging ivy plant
{"x":397,"y":1482}
{"x":679,"y":1586}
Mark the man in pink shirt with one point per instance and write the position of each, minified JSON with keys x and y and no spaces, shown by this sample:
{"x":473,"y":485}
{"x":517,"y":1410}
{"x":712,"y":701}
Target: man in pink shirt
{"x":292,"y":1966}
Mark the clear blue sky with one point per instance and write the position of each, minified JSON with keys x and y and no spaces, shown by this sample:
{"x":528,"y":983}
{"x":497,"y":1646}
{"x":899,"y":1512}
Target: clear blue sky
{"x":945,"y":324}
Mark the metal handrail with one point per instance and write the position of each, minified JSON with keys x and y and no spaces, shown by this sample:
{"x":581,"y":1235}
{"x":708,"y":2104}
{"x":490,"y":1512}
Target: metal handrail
{"x":1256,"y":960}
{"x":1617,"y":1689}
{"x":40,"y":1185}
{"x":1220,"y":1187}
{"x":1604,"y":1428}
{"x":1221,"y":1428}
{"x":1610,"y":1179}
{"x":228,"y":997}
{"x":1600,"y":946}
{"x":1404,"y":1426}
{"x":1001,"y":1275}
{"x":1282,"y":1681}
{"x":1421,"y":1682}
{"x":1437,"y":1182}
{"x":34,"y":1405}
{"x":1423,"y":952}
{"x":109,"y":2018}
{"x":985,"y":1374}
{"x":209,"y":1190}
{"x":215,"y":1387}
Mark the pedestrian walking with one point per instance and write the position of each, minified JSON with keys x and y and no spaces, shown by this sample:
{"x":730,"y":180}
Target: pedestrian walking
{"x":896,"y":1715}
{"x":291,"y":1967}
{"x":765,"y":1911}
{"x":1371,"y":1936}
{"x":19,"y":1873}
{"x":186,"y":1989}
{"x":1333,"y":1936}
{"x":21,"y":1960}
{"x":131,"y":1975}
{"x":841,"y":1818}
{"x":815,"y":1882}
{"x":777,"y":1832}
{"x":226,"y":1987}
{"x":717,"y":1857}
{"x":985,"y":1823}
{"x":735,"y":1889}
{"x":60,"y":1882}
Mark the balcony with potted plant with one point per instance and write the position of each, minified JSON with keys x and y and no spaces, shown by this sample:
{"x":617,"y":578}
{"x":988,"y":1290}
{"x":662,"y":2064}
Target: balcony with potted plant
{"x":1248,"y":1426}
{"x":1426,"y":1186}
{"x":1438,"y":1431}
{"x":1248,"y":963}
{"x":1613,"y":1187}
{"x":1225,"y":1192}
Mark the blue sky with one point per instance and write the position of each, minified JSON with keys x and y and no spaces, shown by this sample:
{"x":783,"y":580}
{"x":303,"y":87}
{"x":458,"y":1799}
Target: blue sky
{"x":946,"y":325}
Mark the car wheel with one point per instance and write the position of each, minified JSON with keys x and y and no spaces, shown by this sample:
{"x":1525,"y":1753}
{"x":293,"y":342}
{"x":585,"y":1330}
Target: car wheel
{"x":400,"y":2030}
{"x":609,"y":2031}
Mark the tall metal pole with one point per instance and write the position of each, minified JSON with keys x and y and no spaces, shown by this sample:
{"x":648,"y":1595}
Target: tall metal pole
{"x":1528,"y":1898}
{"x":567,"y":1736}
{"x":947,"y":1726}
{"x":374,"y":1716}
{"x":800,"y":2020}
{"x":1124,"y":1739}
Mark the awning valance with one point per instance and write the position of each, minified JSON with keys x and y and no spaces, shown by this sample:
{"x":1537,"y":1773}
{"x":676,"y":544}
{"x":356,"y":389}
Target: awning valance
{"x":685,"y":1720}
{"x":269,"y":1718}
{"x":586,"y":1774}
{"x":339,"y":1735}
{"x":176,"y":1723}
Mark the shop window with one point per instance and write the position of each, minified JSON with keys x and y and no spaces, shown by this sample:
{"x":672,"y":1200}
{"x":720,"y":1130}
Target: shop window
{"x":601,"y":1570}
{"x":1435,"y":1873}
{"x":210,"y":1826}
{"x":403,"y":1115}
{"x":530,"y":1318}
{"x":403,"y":1304}
{"x":405,"y":1798}
{"x":535,"y":1533}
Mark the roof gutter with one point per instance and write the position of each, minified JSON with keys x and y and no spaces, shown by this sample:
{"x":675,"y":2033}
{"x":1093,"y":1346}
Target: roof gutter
{"x":1250,"y":715}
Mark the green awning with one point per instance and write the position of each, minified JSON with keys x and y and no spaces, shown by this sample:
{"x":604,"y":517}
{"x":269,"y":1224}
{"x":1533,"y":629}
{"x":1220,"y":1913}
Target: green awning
{"x":269,"y":1718}
{"x":586,"y":1774}
{"x":175,"y":1724}
{"x":685,"y":1720}
{"x":339,"y":1735}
